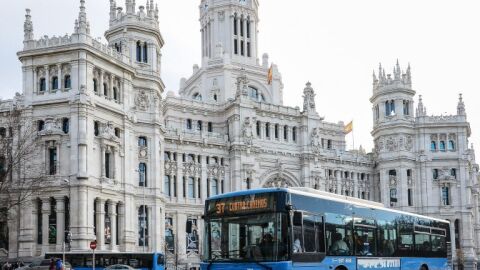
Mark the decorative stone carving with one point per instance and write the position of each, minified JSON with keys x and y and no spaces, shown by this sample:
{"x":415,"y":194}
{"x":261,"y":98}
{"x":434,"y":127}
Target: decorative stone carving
{"x":170,"y":167}
{"x":247,"y":131}
{"x":216,"y":171}
{"x":142,"y":100}
{"x":277,"y":182}
{"x":221,"y":16}
{"x":392,"y":179}
{"x":409,"y":143}
{"x":308,"y":98}
{"x":109,"y":132}
{"x":315,"y":140}
{"x":191,"y":169}
{"x":52,"y":127}
{"x":391,"y":144}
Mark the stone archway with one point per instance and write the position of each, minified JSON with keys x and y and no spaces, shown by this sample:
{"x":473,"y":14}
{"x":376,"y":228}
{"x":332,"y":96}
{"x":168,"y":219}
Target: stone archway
{"x":282,"y":178}
{"x":277,"y":182}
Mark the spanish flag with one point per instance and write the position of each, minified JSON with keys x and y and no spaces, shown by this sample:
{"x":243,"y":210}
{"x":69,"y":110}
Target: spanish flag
{"x":270,"y":75}
{"x":348,"y":128}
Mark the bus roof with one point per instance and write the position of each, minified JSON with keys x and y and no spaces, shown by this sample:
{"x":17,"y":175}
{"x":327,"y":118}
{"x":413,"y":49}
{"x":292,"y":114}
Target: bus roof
{"x":310,"y":192}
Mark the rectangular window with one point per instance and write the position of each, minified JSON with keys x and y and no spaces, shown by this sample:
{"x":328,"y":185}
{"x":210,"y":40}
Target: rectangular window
{"x":294,"y":134}
{"x":107,"y":165}
{"x":267,"y":130}
{"x":142,"y":141}
{"x":258,"y":129}
{"x":235,"y":29}
{"x":248,"y":29}
{"x":393,"y":195}
{"x":184,"y":185}
{"x":241,"y":27}
{"x":242,"y":47}
{"x":235,"y":46}
{"x":248,"y":50}
{"x":285,"y":133}
{"x":174,"y":186}
{"x":276,"y":131}
{"x":410,"y":198}
{"x":96,"y":128}
{"x":142,"y":174}
{"x":214,"y":188}
{"x":210,"y":127}
{"x":435,"y":174}
{"x":199,"y":187}
{"x":189,"y":123}
{"x":43,"y":85}
{"x":52,"y":154}
{"x":199,"y":125}
{"x":191,"y":188}
{"x":143,"y":226}
{"x":445,"y":196}
{"x":166,"y":185}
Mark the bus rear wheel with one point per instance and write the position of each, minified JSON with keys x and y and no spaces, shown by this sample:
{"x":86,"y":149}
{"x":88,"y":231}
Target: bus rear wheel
{"x":423,"y":267}
{"x":341,"y":268}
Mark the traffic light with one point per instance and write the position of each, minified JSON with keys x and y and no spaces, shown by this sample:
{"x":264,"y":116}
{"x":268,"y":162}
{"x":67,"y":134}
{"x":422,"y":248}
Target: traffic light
{"x":68,"y":237}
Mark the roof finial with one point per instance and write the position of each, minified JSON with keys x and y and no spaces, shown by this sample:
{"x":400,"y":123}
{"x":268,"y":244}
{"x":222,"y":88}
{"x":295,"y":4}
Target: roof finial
{"x":461,"y":106}
{"x":83,"y":26}
{"x":28,"y":26}
{"x":421,"y":110}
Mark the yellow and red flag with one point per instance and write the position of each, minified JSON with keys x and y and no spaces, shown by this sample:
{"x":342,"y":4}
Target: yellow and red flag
{"x":348,"y":128}
{"x":270,"y":75}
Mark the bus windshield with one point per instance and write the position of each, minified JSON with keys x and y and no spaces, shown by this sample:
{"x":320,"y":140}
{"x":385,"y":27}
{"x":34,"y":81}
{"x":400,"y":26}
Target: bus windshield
{"x":259,"y":237}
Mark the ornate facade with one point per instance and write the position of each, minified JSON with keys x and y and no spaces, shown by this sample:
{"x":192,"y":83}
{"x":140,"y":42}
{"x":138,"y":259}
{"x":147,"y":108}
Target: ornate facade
{"x":133,"y":166}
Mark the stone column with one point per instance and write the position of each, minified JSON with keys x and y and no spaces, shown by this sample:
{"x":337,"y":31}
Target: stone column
{"x":121,"y":226}
{"x":100,"y":226}
{"x":110,"y":87}
{"x":102,"y":158}
{"x":180,"y":235}
{"x":253,"y":38}
{"x":47,"y":78}
{"x":35,"y":80}
{"x":59,"y":74}
{"x":203,"y":180}
{"x":60,"y":209}
{"x":100,"y":83}
{"x":45,"y":225}
{"x":112,"y":211}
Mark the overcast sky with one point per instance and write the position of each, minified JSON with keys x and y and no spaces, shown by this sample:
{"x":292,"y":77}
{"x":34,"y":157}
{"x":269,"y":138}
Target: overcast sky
{"x":334,"y":44}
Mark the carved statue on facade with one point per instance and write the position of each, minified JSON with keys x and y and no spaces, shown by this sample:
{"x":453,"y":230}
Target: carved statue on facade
{"x":141,"y":100}
{"x":247,"y":131}
{"x":315,"y":140}
{"x":308,"y":98}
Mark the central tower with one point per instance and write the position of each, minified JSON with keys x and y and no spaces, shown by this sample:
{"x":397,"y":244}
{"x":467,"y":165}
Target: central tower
{"x":229,"y":29}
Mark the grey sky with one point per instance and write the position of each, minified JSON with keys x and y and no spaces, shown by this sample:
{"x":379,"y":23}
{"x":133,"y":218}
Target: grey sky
{"x":333,"y":44}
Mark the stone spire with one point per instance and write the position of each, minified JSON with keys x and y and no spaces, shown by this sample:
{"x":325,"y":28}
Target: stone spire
{"x":308,"y":98}
{"x":461,"y":106}
{"x":81,"y":24}
{"x":113,"y":11}
{"x":397,"y":71}
{"x":28,"y":26}
{"x":156,"y":12}
{"x":130,"y":7}
{"x":389,"y":82}
{"x":421,"y":110}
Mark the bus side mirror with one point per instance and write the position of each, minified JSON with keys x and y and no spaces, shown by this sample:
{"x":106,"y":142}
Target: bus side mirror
{"x":297,"y":218}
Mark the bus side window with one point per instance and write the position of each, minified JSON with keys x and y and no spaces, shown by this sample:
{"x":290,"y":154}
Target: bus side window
{"x":160,"y":259}
{"x":319,"y":229}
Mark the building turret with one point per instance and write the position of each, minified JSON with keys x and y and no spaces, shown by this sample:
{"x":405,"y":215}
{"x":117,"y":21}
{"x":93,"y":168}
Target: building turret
{"x":231,"y":25}
{"x":136,"y":33}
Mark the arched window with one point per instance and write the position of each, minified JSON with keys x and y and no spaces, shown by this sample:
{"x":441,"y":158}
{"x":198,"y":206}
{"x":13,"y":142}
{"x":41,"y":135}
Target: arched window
{"x":96,"y":128}
{"x":235,"y":29}
{"x":199,"y":125}
{"x":43,"y":85}
{"x":143,"y":226}
{"x":67,"y":82}
{"x":166,"y":185}
{"x":276,"y":131}
{"x":139,"y":52}
{"x":197,"y":96}
{"x":442,"y":146}
{"x":189,"y":123}
{"x":294,"y":134}
{"x":54,"y":83}
{"x":392,"y":107}
{"x":285,"y":133}
{"x":142,"y":174}
{"x":435,"y":174}
{"x":451,"y":145}
{"x":145,"y":53}
{"x":433,"y":146}
{"x":387,"y":108}
{"x":267,"y":130}
{"x":95,"y":85}
{"x":117,"y":132}
{"x":115,"y":93}
{"x":457,"y":233}
{"x":258,"y":129}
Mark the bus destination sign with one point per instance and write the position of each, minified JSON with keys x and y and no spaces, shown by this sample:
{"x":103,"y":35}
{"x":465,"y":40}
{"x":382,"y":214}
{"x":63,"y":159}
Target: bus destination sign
{"x":241,"y":205}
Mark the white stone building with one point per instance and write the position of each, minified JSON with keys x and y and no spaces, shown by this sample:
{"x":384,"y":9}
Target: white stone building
{"x":131,"y":166}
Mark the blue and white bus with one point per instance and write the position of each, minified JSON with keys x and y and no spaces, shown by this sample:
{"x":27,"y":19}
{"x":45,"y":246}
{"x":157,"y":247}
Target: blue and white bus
{"x":83,"y":260}
{"x":302,"y":228}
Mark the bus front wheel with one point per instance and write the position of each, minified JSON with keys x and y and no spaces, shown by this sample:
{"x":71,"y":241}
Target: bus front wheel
{"x":343,"y":268}
{"x":424,"y":267}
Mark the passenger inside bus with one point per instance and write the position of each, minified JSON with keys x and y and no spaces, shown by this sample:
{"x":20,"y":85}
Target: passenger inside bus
{"x":339,"y":247}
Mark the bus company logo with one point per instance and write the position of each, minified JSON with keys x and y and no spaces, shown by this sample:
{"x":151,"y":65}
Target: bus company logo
{"x":379,"y":263}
